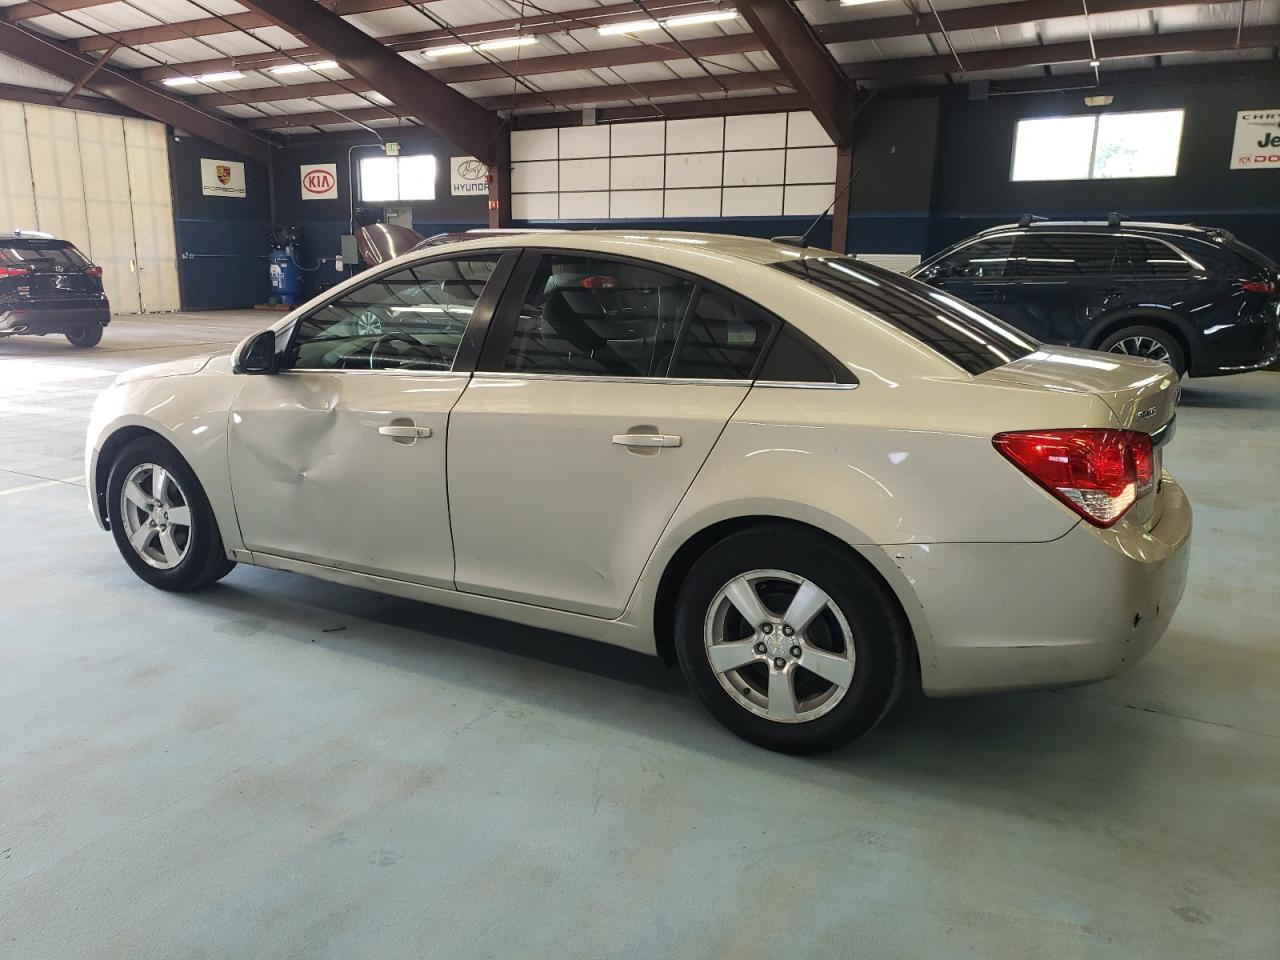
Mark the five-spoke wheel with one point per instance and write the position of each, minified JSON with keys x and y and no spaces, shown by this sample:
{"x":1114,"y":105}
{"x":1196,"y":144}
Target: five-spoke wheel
{"x":156,"y":514}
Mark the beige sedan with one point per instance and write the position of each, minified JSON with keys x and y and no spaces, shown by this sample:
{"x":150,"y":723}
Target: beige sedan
{"x":810,"y":481}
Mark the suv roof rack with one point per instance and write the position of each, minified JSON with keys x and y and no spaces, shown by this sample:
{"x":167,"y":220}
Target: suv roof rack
{"x":1029,"y":218}
{"x":33,"y":234}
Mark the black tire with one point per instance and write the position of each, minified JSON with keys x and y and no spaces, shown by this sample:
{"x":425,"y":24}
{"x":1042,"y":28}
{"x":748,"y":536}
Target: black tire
{"x":205,"y":560}
{"x":86,"y":336}
{"x":881,"y":638}
{"x":1166,"y":341}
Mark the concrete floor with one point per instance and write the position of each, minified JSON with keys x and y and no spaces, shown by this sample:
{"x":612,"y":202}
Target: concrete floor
{"x":278,"y":767}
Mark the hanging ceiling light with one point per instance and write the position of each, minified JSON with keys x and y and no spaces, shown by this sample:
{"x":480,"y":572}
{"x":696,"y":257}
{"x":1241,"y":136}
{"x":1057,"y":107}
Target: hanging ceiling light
{"x":690,"y":20}
{"x":631,"y":26}
{"x":204,"y":78}
{"x":300,"y":67}
{"x":505,"y":43}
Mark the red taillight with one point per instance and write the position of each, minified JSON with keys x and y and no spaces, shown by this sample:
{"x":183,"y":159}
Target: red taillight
{"x":93,"y":272}
{"x":13,"y":271}
{"x":1098,"y":473}
{"x":1258,"y":286}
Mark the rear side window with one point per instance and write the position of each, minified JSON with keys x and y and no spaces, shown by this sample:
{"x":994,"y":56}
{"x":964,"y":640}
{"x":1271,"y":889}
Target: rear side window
{"x":1067,"y":255}
{"x":724,"y":338}
{"x":969,"y":338}
{"x":1151,"y":258}
{"x":41,"y":253}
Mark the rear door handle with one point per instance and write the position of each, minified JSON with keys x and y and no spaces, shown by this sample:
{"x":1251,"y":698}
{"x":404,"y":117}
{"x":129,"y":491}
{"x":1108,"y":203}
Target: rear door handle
{"x":400,"y":432}
{"x":646,"y":440}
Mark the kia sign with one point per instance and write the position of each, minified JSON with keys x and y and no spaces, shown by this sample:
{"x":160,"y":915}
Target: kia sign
{"x":319,"y":181}
{"x":467,"y":176}
{"x":1257,"y":141}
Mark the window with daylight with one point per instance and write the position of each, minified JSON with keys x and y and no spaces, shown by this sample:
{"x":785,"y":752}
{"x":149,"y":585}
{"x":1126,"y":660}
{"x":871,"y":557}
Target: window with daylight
{"x":391,"y":179}
{"x":1104,"y":146}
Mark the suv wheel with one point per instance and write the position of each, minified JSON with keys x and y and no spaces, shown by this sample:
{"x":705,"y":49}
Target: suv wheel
{"x":161,"y":519}
{"x":1149,"y":342}
{"x":87,"y":336}
{"x":788,"y":641}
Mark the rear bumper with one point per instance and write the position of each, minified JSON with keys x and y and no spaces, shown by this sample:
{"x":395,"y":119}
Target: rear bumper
{"x":1240,"y":347}
{"x":1075,"y":610}
{"x":33,"y":319}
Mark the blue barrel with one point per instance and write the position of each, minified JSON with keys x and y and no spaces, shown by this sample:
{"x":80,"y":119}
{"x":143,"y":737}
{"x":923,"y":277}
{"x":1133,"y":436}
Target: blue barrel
{"x":286,"y":278}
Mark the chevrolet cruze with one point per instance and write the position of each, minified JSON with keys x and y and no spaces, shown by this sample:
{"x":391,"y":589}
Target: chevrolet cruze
{"x":809,"y":481}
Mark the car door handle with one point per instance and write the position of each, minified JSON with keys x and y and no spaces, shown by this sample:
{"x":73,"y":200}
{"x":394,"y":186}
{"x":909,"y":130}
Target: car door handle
{"x":646,"y":440}
{"x":400,"y":432}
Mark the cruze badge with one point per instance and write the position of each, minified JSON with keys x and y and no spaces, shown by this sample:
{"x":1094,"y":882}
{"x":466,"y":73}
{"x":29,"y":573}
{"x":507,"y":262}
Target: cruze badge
{"x":1147,"y":414}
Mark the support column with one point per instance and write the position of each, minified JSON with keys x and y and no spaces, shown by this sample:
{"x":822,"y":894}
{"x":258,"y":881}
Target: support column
{"x":840,"y":212}
{"x":500,"y":184}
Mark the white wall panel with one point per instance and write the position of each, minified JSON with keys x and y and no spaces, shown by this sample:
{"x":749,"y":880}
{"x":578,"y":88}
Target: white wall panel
{"x":752,"y":202}
{"x":811,"y":165}
{"x":755,"y":131}
{"x":534,"y":145}
{"x":55,"y":171}
{"x":808,"y":199}
{"x":694,"y":169}
{"x":535,"y":206}
{"x":150,"y":195}
{"x":105,"y":168}
{"x":636,"y":204}
{"x":749,"y":168}
{"x":536,"y":177}
{"x":584,"y":174}
{"x":803,"y":130}
{"x":635,"y":139}
{"x":696,"y":135}
{"x":578,"y":142}
{"x":692,"y":203}
{"x":17,"y":201}
{"x":584,"y":206}
{"x":635,"y":173}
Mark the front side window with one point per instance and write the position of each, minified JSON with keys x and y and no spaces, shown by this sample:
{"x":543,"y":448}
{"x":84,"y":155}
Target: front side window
{"x":1066,"y":255}
{"x":972,"y":340}
{"x":409,"y":319}
{"x":594,"y":316}
{"x":1098,"y":146}
{"x":984,"y":260}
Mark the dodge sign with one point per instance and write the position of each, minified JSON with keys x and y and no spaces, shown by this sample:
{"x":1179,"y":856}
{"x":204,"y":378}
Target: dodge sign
{"x":1257,"y":142}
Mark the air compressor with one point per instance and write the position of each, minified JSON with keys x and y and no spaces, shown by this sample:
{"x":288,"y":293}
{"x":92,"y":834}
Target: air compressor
{"x":282,"y":265}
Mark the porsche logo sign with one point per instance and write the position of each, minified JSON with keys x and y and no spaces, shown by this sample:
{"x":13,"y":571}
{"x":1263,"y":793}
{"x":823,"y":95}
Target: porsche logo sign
{"x":222,"y":178}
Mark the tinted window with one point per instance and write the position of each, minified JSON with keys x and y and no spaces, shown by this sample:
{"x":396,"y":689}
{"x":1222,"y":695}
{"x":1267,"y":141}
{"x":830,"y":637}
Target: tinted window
{"x":969,"y":338}
{"x":1151,"y":258}
{"x":724,"y":338}
{"x":794,"y":358}
{"x":41,"y":253}
{"x":598,"y":317}
{"x":982,"y":260}
{"x":1066,"y":255}
{"x":410,"y":319}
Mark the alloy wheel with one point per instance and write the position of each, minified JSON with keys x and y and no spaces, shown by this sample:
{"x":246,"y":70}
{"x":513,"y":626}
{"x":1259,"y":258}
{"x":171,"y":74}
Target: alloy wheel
{"x":156,"y":515}
{"x":1139,"y":346}
{"x":779,"y":646}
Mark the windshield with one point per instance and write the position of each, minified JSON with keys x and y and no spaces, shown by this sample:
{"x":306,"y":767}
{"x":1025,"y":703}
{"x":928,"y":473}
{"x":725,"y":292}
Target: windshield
{"x":972,"y":340}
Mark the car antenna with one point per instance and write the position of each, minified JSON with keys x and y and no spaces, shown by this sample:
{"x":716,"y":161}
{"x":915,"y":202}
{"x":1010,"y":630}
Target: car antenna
{"x":803,"y":241}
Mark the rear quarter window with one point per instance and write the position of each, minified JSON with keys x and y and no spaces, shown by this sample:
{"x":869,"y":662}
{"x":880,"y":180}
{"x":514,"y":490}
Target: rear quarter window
{"x":974,"y":341}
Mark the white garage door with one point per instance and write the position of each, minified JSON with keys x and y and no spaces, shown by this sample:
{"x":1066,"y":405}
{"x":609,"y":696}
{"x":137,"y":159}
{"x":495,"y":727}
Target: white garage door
{"x":101,"y":182}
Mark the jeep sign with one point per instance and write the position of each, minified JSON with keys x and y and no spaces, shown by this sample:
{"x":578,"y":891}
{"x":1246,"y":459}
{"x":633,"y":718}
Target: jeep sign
{"x":319,"y":181}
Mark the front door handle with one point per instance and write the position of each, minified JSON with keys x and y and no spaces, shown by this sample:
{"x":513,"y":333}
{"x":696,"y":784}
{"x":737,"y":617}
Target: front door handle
{"x":646,"y":440}
{"x":404,"y":432}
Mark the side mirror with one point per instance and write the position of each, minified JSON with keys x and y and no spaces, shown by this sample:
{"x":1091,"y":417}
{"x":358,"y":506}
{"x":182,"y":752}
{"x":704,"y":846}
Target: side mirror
{"x":258,"y":355}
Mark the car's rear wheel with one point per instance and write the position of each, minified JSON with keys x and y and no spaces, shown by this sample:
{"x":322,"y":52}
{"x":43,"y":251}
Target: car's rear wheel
{"x":161,"y":519}
{"x":89,"y":335}
{"x":1151,"y":343}
{"x":790,"y":641}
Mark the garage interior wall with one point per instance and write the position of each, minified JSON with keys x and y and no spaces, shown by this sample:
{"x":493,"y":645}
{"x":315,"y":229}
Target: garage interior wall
{"x":101,"y":182}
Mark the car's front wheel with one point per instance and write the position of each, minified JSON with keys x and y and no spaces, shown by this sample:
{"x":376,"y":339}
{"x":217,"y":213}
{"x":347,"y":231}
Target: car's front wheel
{"x":161,"y":519}
{"x":790,"y":641}
{"x":87,"y":336}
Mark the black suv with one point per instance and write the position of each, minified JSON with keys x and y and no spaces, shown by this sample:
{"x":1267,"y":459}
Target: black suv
{"x":48,"y":286}
{"x":1194,"y":297}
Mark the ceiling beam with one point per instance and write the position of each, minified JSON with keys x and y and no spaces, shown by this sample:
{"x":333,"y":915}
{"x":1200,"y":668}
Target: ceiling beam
{"x":411,"y":90}
{"x":806,"y":62}
{"x":1108,"y":48}
{"x":52,"y":98}
{"x":52,"y":57}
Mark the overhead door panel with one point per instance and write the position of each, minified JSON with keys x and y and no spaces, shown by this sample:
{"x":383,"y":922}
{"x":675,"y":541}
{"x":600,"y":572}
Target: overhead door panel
{"x":55,"y":171}
{"x":148,"y":156}
{"x":17,"y":201}
{"x":106,"y":188}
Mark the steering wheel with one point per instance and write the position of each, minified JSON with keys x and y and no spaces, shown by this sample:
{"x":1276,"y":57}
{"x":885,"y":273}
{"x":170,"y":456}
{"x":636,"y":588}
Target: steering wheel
{"x":422,"y":350}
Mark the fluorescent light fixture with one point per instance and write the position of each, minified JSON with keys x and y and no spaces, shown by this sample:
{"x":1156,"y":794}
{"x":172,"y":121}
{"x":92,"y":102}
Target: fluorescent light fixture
{"x":300,"y":67}
{"x":505,"y":43}
{"x":715,"y":16}
{"x":856,"y":3}
{"x":204,"y":78}
{"x":631,"y":26}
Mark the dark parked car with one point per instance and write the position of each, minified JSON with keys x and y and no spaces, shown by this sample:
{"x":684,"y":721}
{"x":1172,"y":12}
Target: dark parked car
{"x":48,"y":286}
{"x":1194,"y":297}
